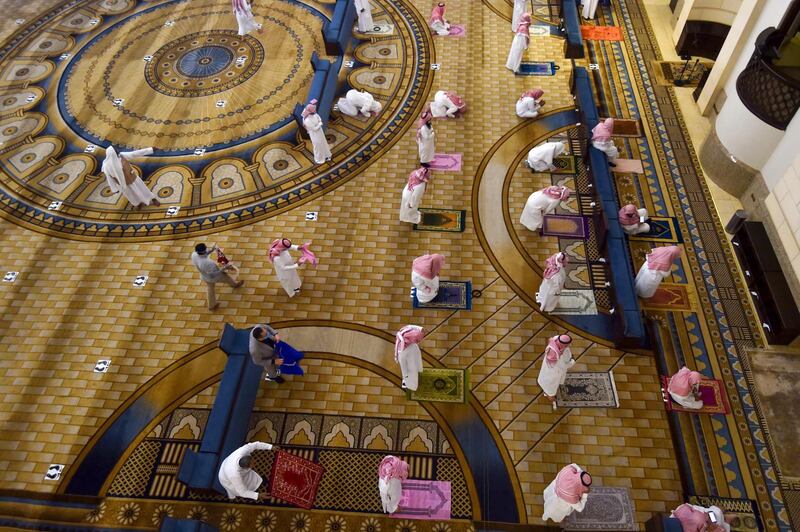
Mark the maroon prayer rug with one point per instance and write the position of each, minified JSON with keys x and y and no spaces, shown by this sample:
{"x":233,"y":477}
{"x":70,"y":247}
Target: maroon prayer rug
{"x":295,"y":480}
{"x":712,"y":392}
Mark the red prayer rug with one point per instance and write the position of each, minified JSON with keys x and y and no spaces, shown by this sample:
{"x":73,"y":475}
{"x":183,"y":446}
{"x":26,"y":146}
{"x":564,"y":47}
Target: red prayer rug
{"x":601,"y":33}
{"x":295,"y":480}
{"x":712,"y":392}
{"x":670,"y":297}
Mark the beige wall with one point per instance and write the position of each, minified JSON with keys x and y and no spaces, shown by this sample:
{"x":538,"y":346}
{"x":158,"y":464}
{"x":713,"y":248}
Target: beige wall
{"x":783,"y":204}
{"x":722,"y":11}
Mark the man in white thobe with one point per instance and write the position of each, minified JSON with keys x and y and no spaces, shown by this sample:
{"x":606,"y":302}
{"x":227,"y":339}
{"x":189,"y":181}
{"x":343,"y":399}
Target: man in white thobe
{"x":356,"y":102}
{"x":121,"y":176}
{"x":236,"y":476}
{"x":364,"y":10}
{"x":541,"y":157}
{"x":589,"y":7}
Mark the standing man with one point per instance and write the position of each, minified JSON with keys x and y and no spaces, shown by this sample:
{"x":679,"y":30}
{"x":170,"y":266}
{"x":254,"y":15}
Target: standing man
{"x":263,"y":340}
{"x":121,"y":177}
{"x":210,"y":273}
{"x":364,"y":10}
{"x":236,"y":476}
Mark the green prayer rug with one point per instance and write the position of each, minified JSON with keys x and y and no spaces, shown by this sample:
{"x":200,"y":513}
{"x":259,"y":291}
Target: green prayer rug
{"x":442,"y":220}
{"x":565,"y":164}
{"x":442,"y":385}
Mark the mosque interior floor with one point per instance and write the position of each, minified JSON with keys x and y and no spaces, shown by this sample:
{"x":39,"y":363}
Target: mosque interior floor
{"x":74,"y":74}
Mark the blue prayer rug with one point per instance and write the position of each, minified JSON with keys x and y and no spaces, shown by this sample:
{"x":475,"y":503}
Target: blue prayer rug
{"x":537,"y":68}
{"x":662,"y":230}
{"x":453,"y":295}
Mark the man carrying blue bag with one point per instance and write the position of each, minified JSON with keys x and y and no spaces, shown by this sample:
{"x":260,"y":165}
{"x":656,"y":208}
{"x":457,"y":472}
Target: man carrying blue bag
{"x":277,"y":357}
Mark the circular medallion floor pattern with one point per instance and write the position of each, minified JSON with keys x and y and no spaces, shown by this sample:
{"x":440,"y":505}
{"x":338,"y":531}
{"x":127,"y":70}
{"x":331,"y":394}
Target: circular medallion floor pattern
{"x":215,"y":106}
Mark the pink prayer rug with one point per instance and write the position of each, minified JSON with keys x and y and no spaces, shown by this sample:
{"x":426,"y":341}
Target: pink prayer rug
{"x":295,"y":480}
{"x":456,"y":30}
{"x":712,"y":392}
{"x":446,"y":162}
{"x":424,"y":499}
{"x":628,"y":166}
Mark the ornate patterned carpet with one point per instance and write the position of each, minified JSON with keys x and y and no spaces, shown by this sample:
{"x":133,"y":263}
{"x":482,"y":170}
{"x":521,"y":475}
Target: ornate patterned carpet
{"x":170,"y":74}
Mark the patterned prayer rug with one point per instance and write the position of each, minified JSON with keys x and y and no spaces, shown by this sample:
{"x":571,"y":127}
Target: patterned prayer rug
{"x":601,"y":33}
{"x":295,"y":480}
{"x":442,"y":220}
{"x":543,"y":31}
{"x":668,"y":71}
{"x":446,"y":162}
{"x":743,"y":513}
{"x":537,"y":68}
{"x":442,"y":385}
{"x":453,"y":295}
{"x":456,"y":30}
{"x":628,"y":166}
{"x":565,"y":164}
{"x":712,"y":392}
{"x":565,"y":226}
{"x":424,"y":499}
{"x":588,"y":390}
{"x":662,"y":230}
{"x":606,"y":509}
{"x":669,"y":297}
{"x":576,"y":303}
{"x":626,"y":127}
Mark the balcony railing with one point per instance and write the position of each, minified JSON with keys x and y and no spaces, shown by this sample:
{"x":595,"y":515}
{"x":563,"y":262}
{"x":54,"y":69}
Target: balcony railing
{"x":771,"y":95}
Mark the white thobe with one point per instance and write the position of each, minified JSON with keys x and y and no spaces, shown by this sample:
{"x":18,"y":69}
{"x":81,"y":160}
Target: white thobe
{"x":556,"y":508}
{"x":440,"y":28}
{"x":608,"y":147}
{"x":549,"y":290}
{"x":442,"y":106}
{"x":237,"y":481}
{"x":536,"y":207}
{"x":245,"y":19}
{"x":518,"y":47}
{"x":364,"y":10}
{"x":647,"y":280}
{"x":589,"y":7}
{"x":356,"y":102}
{"x":426,"y":144}
{"x":286,"y":270}
{"x":427,"y":289}
{"x":409,"y":204}
{"x":391,"y":490}
{"x":687,"y":401}
{"x":410,"y":360}
{"x":541,"y":157}
{"x":520,"y":7}
{"x":313,"y":124}
{"x":550,"y":378}
{"x":640,"y":227}
{"x":527,"y":107}
{"x":137,"y":192}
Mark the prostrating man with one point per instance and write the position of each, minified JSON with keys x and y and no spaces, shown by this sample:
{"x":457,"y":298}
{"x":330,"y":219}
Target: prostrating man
{"x":695,"y":518}
{"x":556,"y":362}
{"x":553,"y":279}
{"x":567,"y":493}
{"x":121,"y":177}
{"x":684,"y":388}
{"x":364,"y":10}
{"x":447,"y":104}
{"x":236,"y":476}
{"x":356,"y":102}
{"x":540,"y":203}
{"x":655,"y":269}
{"x":633,"y":220}
{"x":541,"y":157}
{"x":601,"y":139}
{"x":412,"y":195}
{"x":529,"y":103}
{"x":263,"y":340}
{"x":313,"y":124}
{"x":210,"y":273}
{"x":520,"y":43}
{"x":391,"y":474}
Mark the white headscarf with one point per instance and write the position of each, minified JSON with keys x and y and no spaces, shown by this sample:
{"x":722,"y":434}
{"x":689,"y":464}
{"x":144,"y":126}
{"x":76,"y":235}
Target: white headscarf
{"x":112,"y":168}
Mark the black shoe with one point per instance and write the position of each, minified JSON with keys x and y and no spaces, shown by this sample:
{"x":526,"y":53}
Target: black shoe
{"x":278,"y":379}
{"x":612,"y":165}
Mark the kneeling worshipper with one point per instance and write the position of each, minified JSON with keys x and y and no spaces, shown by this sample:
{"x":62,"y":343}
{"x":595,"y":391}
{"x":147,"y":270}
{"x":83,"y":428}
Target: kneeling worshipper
{"x":426,"y":142}
{"x":656,"y":268}
{"x":313,"y":124}
{"x":391,"y":474}
{"x":236,"y":476}
{"x":285,"y":267}
{"x":244,"y":17}
{"x":447,"y":104}
{"x":356,"y":102}
{"x":540,"y":203}
{"x":567,"y":493}
{"x":520,"y":7}
{"x":632,"y":220}
{"x":121,"y":177}
{"x":555,"y":364}
{"x":694,"y":518}
{"x":439,"y":25}
{"x":528,"y":105}
{"x":412,"y":195}
{"x":684,"y":388}
{"x":553,"y":279}
{"x":541,"y":157}
{"x":520,"y":43}
{"x":425,"y":276}
{"x":364,"y":10}
{"x":408,"y":355}
{"x":601,"y":139}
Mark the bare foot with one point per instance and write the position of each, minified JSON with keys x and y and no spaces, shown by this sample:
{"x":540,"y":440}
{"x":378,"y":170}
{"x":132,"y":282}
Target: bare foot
{"x":156,"y":202}
{"x":240,"y":283}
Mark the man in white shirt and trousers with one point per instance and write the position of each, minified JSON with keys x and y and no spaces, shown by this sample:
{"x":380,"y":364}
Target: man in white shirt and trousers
{"x":210,"y":273}
{"x":236,"y":476}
